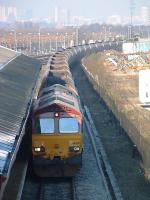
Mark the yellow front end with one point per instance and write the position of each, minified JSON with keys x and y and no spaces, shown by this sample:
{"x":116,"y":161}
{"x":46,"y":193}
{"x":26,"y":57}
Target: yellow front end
{"x":59,"y":146}
{"x":56,"y":142}
{"x":57,"y":155}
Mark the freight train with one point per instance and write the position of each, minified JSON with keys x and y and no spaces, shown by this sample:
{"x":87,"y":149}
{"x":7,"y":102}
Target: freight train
{"x":57,"y":139}
{"x":57,"y":136}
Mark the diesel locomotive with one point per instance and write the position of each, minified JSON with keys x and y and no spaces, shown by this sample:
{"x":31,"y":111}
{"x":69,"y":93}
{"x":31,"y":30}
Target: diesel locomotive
{"x":57,"y":138}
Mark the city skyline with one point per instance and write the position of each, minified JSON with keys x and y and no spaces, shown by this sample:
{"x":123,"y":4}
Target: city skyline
{"x":93,"y":9}
{"x":61,"y":15}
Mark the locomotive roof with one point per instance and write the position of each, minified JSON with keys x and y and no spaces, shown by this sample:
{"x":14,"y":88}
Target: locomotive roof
{"x":57,"y":87}
{"x":57,"y":94}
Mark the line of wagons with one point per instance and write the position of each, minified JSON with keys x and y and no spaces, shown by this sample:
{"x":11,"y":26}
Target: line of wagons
{"x":57,"y":121}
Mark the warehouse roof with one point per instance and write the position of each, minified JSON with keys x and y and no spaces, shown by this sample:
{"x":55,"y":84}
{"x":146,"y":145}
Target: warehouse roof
{"x":18,"y":75}
{"x":6,"y":55}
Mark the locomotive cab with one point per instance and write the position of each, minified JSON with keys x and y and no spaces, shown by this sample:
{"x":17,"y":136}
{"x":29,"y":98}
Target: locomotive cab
{"x":57,"y":135}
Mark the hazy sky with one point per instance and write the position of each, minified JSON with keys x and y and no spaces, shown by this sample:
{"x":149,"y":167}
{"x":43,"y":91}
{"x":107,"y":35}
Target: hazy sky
{"x":89,"y":8}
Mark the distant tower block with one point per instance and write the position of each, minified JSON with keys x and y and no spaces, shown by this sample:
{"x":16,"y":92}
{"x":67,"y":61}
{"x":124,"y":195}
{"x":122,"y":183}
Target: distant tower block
{"x":132,"y":8}
{"x":145,"y":15}
{"x":56,"y":14}
{"x":2,"y":13}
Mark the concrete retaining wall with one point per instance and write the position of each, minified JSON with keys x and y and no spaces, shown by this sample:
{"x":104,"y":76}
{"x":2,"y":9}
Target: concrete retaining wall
{"x":120,"y":92}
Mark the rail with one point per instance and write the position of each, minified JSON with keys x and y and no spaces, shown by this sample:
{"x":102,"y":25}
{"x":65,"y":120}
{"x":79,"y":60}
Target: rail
{"x":112,"y":188}
{"x":50,"y":188}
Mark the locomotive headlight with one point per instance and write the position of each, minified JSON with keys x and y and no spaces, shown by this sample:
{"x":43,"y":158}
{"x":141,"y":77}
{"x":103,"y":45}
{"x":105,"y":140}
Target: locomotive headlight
{"x":39,"y":149}
{"x":74,"y":149}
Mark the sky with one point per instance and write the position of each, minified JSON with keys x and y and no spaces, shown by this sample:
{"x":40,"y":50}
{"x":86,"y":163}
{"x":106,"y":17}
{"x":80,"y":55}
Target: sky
{"x":100,"y":9}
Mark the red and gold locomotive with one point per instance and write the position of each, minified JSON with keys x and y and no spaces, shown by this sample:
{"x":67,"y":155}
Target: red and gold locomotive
{"x":57,"y":139}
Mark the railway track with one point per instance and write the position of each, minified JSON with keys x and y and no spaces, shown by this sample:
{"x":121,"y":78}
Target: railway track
{"x":110,"y":183}
{"x":92,"y":181}
{"x":56,"y":190}
{"x":47,"y":188}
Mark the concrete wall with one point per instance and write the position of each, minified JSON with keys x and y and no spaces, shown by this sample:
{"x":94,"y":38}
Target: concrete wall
{"x":120,"y":94}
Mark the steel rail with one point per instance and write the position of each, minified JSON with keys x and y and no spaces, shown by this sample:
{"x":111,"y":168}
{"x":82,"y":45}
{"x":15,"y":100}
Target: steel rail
{"x":110,"y":182}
